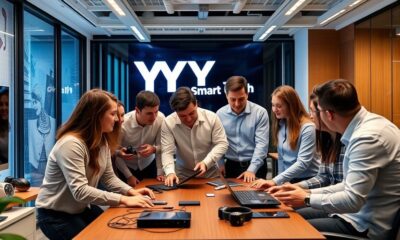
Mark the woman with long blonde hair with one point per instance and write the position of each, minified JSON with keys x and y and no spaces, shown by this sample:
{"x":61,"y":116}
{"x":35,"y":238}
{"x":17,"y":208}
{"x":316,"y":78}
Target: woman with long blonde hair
{"x":80,"y":159}
{"x":293,"y":133}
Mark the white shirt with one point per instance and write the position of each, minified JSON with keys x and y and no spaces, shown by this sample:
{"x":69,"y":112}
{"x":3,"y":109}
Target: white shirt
{"x":133,"y":134}
{"x":205,"y":141}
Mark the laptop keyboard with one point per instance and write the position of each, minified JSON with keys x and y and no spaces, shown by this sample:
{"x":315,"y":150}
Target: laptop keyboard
{"x":246,"y":196}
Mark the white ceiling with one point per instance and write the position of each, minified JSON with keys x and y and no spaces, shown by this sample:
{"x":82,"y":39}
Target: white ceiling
{"x":207,"y":17}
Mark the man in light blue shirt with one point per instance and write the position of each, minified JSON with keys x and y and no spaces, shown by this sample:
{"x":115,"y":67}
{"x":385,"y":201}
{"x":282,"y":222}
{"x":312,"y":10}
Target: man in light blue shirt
{"x":366,"y":202}
{"x":247,"y":128}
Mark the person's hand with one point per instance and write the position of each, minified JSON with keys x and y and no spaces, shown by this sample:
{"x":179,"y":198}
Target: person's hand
{"x":262,"y":183}
{"x":160,"y":178}
{"x":291,"y":195}
{"x":132,"y":181}
{"x":124,"y":155}
{"x":145,"y":192}
{"x":202,"y":167}
{"x":136,"y":201}
{"x":146,"y":150}
{"x":247,"y":176}
{"x":171,"y":178}
{"x":222,"y":170}
{"x":276,"y":189}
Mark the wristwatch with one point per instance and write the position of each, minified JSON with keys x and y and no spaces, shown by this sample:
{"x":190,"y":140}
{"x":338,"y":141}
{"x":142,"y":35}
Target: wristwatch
{"x":307,"y":200}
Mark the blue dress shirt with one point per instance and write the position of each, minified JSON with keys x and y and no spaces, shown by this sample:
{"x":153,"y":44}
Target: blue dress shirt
{"x":301,"y":162}
{"x":247,"y":133}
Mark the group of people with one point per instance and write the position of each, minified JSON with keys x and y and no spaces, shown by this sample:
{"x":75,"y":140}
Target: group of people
{"x":337,"y":164}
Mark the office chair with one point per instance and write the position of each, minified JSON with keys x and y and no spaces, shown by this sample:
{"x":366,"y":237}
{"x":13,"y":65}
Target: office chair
{"x":394,"y":234}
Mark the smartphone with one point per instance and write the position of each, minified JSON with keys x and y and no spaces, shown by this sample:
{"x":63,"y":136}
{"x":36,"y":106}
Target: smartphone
{"x":159,"y":202}
{"x":2,"y":218}
{"x":131,"y":150}
{"x":270,"y":215}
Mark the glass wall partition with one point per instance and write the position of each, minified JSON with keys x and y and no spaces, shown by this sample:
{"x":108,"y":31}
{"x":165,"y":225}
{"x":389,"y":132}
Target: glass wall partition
{"x":39,"y":96}
{"x":7,"y":41}
{"x":70,"y":73}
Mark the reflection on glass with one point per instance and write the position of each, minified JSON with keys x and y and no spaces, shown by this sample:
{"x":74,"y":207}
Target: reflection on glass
{"x":4,"y":127}
{"x":39,"y":99}
{"x":70,"y":75}
{"x":6,"y":86}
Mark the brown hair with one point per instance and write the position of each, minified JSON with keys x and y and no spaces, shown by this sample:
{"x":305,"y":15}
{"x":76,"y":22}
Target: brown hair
{"x":296,"y":111}
{"x":85,"y":122}
{"x":339,"y":96}
{"x":328,"y":148}
{"x":146,"y":99}
{"x":181,"y":99}
{"x":236,"y":83}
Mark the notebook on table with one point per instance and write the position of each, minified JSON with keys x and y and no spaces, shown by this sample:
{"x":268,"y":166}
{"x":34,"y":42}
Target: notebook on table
{"x":158,"y":187}
{"x":250,"y":198}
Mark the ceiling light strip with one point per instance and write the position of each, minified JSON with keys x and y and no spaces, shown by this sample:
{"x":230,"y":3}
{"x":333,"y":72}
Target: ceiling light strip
{"x":138,"y":33}
{"x":355,"y":3}
{"x":264,"y":35}
{"x":332,"y":17}
{"x":294,"y":7}
{"x":116,"y":7}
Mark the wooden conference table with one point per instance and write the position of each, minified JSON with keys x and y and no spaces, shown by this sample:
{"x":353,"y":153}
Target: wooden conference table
{"x":205,"y":223}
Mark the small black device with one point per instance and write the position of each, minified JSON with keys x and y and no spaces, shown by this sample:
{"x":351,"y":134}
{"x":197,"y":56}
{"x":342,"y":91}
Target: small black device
{"x":159,"y":202}
{"x":270,"y":214}
{"x":235,"y":215}
{"x":189,"y":203}
{"x":131,"y":150}
{"x":168,"y":219}
{"x":2,"y":218}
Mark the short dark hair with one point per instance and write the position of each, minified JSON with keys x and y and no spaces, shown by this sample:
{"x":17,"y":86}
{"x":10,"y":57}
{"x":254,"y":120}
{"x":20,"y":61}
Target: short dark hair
{"x":181,"y":99}
{"x":146,"y":99}
{"x":235,"y":83}
{"x":339,"y":96}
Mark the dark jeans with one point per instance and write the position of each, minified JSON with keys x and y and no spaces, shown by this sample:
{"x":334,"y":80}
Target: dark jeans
{"x":234,"y":168}
{"x":61,"y":225}
{"x":147,"y":172}
{"x":323,"y":223}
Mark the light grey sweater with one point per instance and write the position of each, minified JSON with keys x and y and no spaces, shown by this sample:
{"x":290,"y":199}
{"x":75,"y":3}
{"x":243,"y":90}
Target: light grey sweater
{"x":69,"y":185}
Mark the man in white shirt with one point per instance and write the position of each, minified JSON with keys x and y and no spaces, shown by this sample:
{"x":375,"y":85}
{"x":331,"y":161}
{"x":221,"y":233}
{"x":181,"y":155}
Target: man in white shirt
{"x":141,"y":133}
{"x":195,"y":135}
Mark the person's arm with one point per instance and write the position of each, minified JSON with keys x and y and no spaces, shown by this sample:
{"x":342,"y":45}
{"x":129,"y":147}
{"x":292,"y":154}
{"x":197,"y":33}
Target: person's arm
{"x":305,"y":156}
{"x":72,"y":160}
{"x":160,"y":171}
{"x":111,"y":181}
{"x":322,"y":179}
{"x":261,"y":141}
{"x":121,"y":165}
{"x":220,"y":144}
{"x":365,"y":157}
{"x":167,"y":149}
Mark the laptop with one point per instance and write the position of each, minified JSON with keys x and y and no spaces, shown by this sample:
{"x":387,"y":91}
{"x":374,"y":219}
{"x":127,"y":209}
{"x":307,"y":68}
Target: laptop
{"x":160,"y":187}
{"x":250,"y":198}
